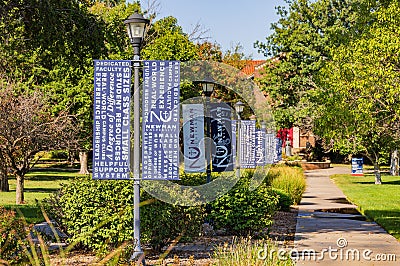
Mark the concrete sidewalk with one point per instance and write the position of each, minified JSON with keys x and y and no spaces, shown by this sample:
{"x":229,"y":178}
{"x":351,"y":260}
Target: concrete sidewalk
{"x":330,"y":231}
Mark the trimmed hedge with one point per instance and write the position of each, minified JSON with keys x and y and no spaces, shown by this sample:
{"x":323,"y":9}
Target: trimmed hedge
{"x":98,"y":215}
{"x":242,"y":211}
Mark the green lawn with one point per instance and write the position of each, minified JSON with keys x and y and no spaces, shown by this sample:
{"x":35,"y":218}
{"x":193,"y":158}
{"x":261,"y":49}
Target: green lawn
{"x":381,"y":203}
{"x":39,"y":184}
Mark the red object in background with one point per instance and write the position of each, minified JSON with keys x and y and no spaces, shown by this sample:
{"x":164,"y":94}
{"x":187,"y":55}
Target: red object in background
{"x":283,"y":134}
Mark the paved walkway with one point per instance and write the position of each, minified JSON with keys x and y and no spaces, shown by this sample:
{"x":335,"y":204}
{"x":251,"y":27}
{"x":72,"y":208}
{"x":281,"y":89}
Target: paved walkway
{"x":329,"y":230}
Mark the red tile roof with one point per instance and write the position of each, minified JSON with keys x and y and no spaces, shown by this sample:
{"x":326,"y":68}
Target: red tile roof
{"x":252,"y":66}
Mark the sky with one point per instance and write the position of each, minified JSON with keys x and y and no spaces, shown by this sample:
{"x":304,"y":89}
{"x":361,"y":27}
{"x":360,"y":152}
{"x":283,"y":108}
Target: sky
{"x":228,"y":21}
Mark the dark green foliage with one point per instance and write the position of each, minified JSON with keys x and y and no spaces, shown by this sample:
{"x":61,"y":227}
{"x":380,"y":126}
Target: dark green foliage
{"x":301,"y":42}
{"x":59,"y":154}
{"x":242,"y":211}
{"x":284,"y":199}
{"x":167,"y":41}
{"x":98,"y":214}
{"x":12,"y":237}
{"x":162,"y":222}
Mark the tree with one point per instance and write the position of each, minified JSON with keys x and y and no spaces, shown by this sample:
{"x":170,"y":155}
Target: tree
{"x":300,"y":43}
{"x":209,"y":51}
{"x":235,"y":57}
{"x":26,"y":128}
{"x":167,"y":41}
{"x":50,"y":46}
{"x":359,"y":98}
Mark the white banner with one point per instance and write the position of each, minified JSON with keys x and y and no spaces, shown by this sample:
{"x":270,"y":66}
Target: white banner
{"x":270,"y":148}
{"x":193,"y":138}
{"x":247,"y":144}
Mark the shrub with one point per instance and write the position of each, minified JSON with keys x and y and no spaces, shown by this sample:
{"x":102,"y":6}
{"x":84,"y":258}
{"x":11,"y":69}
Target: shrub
{"x":284,"y":199}
{"x":242,"y":211}
{"x":59,"y":154}
{"x":162,"y":222}
{"x":290,"y":180}
{"x":98,"y":214}
{"x":12,"y":238}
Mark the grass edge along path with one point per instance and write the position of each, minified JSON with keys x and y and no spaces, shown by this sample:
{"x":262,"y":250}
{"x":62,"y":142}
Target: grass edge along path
{"x":380,"y":203}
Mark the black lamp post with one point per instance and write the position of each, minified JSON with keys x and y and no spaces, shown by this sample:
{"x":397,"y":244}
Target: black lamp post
{"x":136,"y":25}
{"x":208,"y":88}
{"x":239,"y":106}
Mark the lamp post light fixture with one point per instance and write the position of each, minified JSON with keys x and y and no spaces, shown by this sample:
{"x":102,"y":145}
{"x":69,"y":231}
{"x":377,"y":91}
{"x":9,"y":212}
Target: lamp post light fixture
{"x":136,"y":25}
{"x":239,"y":106}
{"x":208,"y":85}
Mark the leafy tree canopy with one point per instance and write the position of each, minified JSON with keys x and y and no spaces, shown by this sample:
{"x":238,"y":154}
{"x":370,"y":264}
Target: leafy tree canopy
{"x":359,"y":95}
{"x":301,"y":43}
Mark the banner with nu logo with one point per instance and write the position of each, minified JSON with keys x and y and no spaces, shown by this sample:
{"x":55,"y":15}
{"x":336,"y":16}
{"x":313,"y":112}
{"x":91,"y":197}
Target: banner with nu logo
{"x":160,"y":125}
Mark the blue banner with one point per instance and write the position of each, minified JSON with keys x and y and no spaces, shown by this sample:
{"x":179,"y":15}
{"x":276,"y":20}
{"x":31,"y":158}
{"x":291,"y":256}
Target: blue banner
{"x":234,"y":140}
{"x":270,"y":148}
{"x":260,"y":150}
{"x":357,"y":166}
{"x":247,"y":144}
{"x":111,"y":119}
{"x":221,"y":131}
{"x":278,"y":154}
{"x":160,"y":127}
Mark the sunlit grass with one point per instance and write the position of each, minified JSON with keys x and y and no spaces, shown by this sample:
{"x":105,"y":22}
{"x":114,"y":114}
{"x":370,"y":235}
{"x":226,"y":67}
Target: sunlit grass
{"x":379,"y":202}
{"x":38,"y":185}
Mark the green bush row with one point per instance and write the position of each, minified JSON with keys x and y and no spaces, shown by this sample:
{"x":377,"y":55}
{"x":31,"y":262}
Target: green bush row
{"x":98,"y":214}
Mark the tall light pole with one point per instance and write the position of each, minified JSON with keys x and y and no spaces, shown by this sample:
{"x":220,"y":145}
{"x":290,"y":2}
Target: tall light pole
{"x":208,"y":87}
{"x":239,"y":106}
{"x":136,"y":25}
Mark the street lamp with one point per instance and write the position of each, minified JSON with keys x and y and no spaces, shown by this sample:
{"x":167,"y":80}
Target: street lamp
{"x":135,"y":26}
{"x":208,"y":88}
{"x":208,"y":85}
{"x":239,"y":106}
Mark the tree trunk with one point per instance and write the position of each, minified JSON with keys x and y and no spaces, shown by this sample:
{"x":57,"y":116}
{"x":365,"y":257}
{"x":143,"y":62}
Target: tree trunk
{"x":4,"y":187}
{"x":377,"y":171}
{"x":19,"y":199}
{"x":394,"y":164}
{"x":83,"y":159}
